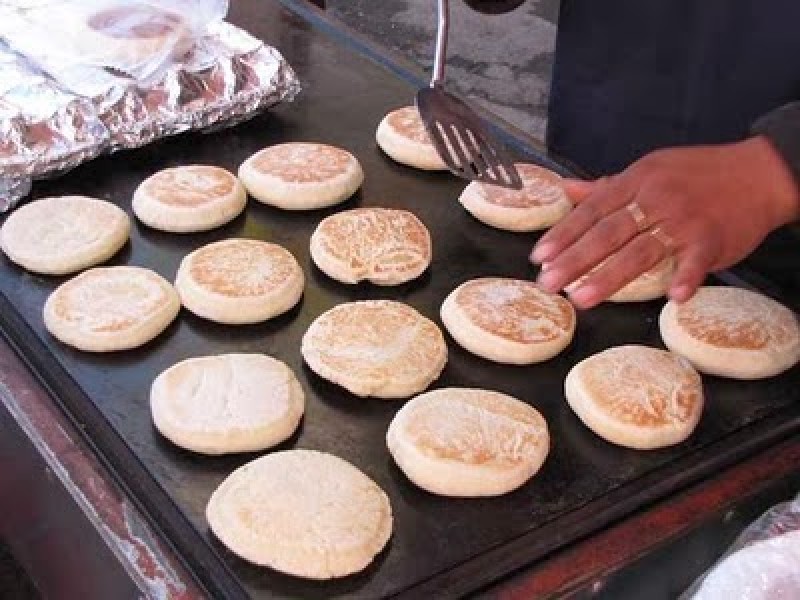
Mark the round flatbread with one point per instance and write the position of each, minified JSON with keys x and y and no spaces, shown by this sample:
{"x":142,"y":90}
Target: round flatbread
{"x":188,"y":199}
{"x":239,"y":281}
{"x":375,"y":348}
{"x":111,"y":308}
{"x":650,"y":285}
{"x":130,"y":37}
{"x":508,"y":320}
{"x":636,"y":396}
{"x":134,"y":37}
{"x":302,"y":512}
{"x":227,"y":403}
{"x":764,"y":570}
{"x":468,"y":442}
{"x":540,"y":203}
{"x":732,"y":332}
{"x":381,"y":245}
{"x":402,"y":136}
{"x":301,"y":176}
{"x":64,"y":234}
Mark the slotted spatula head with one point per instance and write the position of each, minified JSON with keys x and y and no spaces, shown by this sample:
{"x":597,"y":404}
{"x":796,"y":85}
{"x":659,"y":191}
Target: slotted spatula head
{"x":461,"y":139}
{"x":457,"y":133}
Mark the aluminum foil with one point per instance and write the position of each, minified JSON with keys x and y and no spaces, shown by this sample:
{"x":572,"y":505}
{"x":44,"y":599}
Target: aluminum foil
{"x":43,"y":128}
{"x":54,"y":117}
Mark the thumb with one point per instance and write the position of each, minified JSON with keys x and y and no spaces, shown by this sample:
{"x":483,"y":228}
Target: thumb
{"x":577,"y":189}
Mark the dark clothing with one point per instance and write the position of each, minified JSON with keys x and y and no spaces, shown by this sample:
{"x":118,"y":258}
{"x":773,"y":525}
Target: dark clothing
{"x":634,"y":75}
{"x":782,"y":126}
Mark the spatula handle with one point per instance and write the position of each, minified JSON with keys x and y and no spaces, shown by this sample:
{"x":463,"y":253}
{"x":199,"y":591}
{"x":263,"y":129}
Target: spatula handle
{"x":440,"y":56}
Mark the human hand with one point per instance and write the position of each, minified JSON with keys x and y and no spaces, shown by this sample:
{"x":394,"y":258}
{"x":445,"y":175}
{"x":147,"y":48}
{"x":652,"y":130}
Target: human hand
{"x":709,"y":206}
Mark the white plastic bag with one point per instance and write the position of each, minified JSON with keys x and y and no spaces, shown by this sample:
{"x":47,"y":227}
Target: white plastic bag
{"x":762,"y":564}
{"x":137,"y":38}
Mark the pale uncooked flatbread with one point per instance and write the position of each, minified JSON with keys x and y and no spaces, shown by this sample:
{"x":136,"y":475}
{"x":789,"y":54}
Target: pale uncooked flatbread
{"x":402,"y":136}
{"x":636,"y":396}
{"x":375,"y":348}
{"x":111,"y":308}
{"x":302,"y":512}
{"x":468,"y":442}
{"x":764,"y":570}
{"x":301,"y":176}
{"x":64,"y":234}
{"x":135,"y":37}
{"x":650,"y":285}
{"x":239,"y":281}
{"x":227,"y":403}
{"x":190,"y":198}
{"x":508,"y":320}
{"x":540,"y":203}
{"x":381,"y":245}
{"x":732,"y":332}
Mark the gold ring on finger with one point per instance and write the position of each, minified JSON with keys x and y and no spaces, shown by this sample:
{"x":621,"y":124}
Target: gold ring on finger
{"x":638,"y":216}
{"x":664,"y":238}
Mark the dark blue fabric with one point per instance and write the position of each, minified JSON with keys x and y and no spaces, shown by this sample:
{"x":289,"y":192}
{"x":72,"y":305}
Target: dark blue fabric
{"x":634,"y":75}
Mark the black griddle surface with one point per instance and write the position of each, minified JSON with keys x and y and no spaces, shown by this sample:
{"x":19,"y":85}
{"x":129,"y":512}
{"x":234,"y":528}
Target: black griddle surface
{"x":441,"y":547}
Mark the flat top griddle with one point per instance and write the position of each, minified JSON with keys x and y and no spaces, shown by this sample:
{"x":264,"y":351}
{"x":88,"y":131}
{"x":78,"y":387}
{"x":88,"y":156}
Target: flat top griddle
{"x":441,"y":547}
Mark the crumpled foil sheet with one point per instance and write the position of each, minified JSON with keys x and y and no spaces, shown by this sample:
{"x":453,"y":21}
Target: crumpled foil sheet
{"x":43,"y":128}
{"x":51,"y":122}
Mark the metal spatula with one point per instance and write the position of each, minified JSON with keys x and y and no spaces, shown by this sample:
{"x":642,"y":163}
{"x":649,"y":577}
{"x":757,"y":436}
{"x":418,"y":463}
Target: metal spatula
{"x":458,"y":134}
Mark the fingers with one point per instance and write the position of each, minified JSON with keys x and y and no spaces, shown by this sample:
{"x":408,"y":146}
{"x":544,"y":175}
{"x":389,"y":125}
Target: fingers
{"x":639,"y":255}
{"x":695,"y":257}
{"x":605,"y":237}
{"x":694,"y":263}
{"x":670,"y":201}
{"x":605,"y":197}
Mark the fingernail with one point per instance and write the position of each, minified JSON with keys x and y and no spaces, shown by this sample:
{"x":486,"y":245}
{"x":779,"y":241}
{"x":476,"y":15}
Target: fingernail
{"x":545,"y":266}
{"x":680,"y":293}
{"x":541,"y":253}
{"x":583,"y":296}
{"x":547,"y":280}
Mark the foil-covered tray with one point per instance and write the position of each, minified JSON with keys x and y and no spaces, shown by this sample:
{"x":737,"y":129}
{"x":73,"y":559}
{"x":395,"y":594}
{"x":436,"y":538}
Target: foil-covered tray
{"x":55,"y":115}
